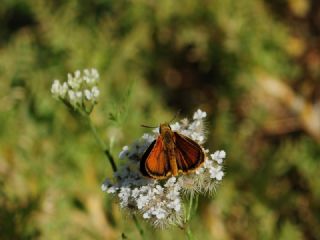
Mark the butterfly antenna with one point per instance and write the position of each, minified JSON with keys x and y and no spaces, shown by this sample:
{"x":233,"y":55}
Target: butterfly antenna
{"x":146,"y":126}
{"x":175,"y":116}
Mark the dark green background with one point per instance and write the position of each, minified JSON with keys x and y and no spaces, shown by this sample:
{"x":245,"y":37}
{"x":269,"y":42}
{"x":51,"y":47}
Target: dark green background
{"x":252,"y":65}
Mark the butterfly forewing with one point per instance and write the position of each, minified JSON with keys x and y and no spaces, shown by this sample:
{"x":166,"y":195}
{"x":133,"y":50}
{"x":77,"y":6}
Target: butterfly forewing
{"x":155,"y":162}
{"x":189,"y":154}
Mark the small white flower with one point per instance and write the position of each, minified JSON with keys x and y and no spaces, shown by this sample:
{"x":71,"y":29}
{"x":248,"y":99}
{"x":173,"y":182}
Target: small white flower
{"x":218,"y":156}
{"x":184,"y":122}
{"x":112,"y":190}
{"x":142,"y":201}
{"x":124,"y":152}
{"x":170,"y":182}
{"x":75,"y":97}
{"x":174,"y":192}
{"x":156,"y":130}
{"x":160,"y":213}
{"x":198,"y":115}
{"x":217,"y":173}
{"x":58,"y":89}
{"x":70,"y":78}
{"x":55,"y":88}
{"x":199,"y":170}
{"x":197,"y":137}
{"x":77,"y":74}
{"x":124,"y":196}
{"x":158,"y":189}
{"x":91,"y":77}
{"x":88,"y":94}
{"x":148,"y":138}
{"x":72,"y":95}
{"x":175,"y":126}
{"x":75,"y":82}
{"x":207,"y":164}
{"x":95,"y":92}
{"x":175,"y":204}
{"x":86,"y":71}
{"x":104,"y":187}
{"x":63,"y":90}
{"x":78,"y":88}
{"x":79,"y":95}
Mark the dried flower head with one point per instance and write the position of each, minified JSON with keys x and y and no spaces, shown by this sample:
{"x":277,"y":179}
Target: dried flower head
{"x":80,"y":91}
{"x":160,"y":201}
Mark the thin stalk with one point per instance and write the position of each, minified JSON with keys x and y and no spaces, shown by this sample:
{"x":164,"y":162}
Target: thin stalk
{"x":196,"y":203}
{"x":138,"y":226}
{"x":187,"y":228}
{"x":189,"y":234}
{"x":190,"y":207}
{"x":102,"y":145}
{"x":107,"y":152}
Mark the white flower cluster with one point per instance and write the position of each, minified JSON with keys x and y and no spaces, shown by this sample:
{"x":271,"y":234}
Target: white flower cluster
{"x":160,"y":201}
{"x":80,"y":90}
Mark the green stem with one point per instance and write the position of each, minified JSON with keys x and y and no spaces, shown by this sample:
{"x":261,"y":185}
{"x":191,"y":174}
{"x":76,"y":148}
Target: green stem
{"x":190,"y":208}
{"x":107,"y":152}
{"x":138,"y":226}
{"x":189,"y":233}
{"x":188,"y":217}
{"x":196,"y":203}
{"x":102,"y":145}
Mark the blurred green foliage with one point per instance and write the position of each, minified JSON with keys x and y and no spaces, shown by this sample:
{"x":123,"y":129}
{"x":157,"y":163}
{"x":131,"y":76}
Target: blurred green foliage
{"x":155,"y":58}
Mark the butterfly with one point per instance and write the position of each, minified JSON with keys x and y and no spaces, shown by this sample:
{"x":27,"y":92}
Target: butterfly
{"x":170,"y":154}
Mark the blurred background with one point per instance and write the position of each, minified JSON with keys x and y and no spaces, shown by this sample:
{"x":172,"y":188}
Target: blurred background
{"x":254,"y":66}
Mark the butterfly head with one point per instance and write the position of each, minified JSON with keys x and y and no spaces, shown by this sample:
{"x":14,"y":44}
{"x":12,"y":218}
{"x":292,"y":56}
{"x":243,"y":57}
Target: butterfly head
{"x":164,"y":127}
{"x":166,"y":133}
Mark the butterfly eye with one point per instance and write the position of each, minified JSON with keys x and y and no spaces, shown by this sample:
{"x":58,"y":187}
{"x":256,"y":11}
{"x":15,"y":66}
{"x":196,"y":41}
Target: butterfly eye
{"x":161,"y":128}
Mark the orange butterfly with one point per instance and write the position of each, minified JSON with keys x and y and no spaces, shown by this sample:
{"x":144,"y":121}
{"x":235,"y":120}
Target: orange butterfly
{"x":170,"y":154}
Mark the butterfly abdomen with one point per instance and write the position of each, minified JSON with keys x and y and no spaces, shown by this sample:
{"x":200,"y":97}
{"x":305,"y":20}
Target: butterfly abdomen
{"x":169,"y":146}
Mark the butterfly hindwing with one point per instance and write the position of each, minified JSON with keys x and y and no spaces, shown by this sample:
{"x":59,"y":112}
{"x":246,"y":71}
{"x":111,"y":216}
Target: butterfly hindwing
{"x":189,"y":154}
